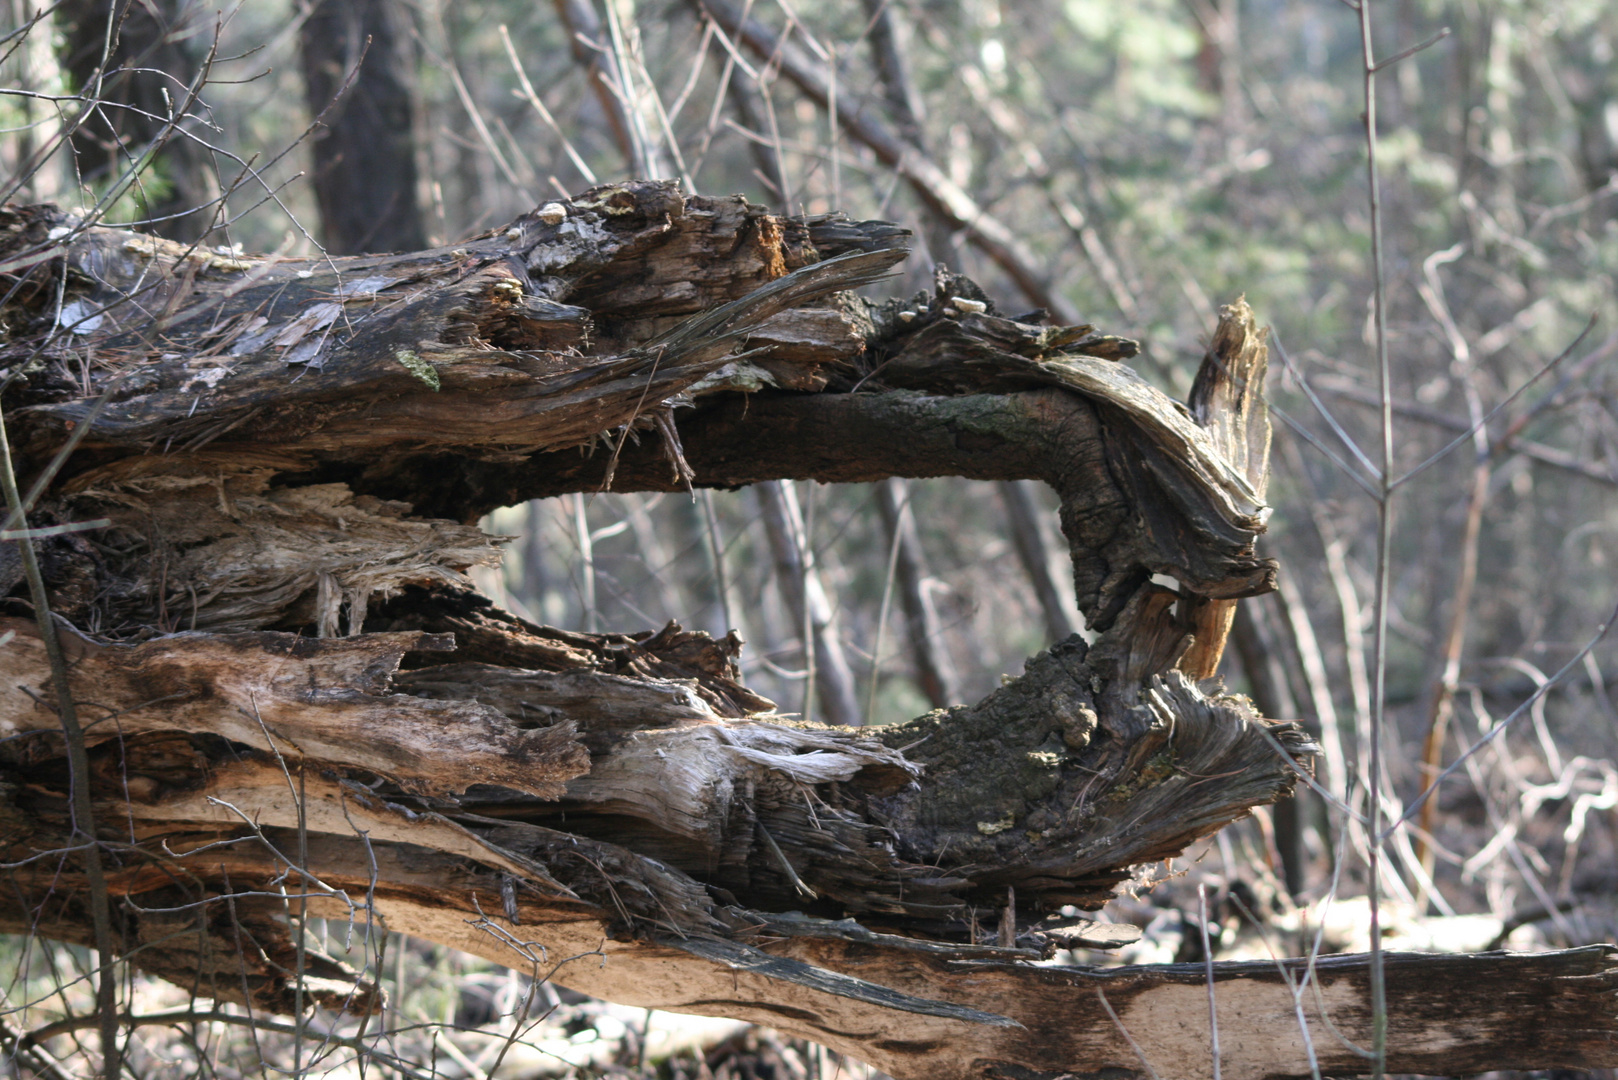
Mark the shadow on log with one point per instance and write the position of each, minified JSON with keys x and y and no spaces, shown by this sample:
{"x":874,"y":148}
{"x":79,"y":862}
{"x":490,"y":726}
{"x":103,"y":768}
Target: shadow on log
{"x":276,"y":650}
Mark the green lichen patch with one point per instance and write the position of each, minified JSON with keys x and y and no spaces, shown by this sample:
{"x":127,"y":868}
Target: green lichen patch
{"x":1157,"y":769}
{"x":418,"y":367}
{"x":990,"y":828}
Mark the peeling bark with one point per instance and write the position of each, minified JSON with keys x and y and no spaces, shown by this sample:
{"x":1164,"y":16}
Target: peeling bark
{"x":276,"y":648}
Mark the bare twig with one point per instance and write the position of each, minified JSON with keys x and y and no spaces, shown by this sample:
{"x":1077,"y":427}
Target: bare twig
{"x":1443,"y":701}
{"x":1513,"y":396}
{"x":1207,"y":963}
{"x":1130,"y":1039}
{"x":931,"y":184}
{"x":1384,"y":544}
{"x":219,"y":1016}
{"x":532,"y":97}
{"x":882,"y":623}
{"x":1383,"y":65}
{"x":1534,"y":451}
{"x":82,"y":815}
{"x":1516,"y":714}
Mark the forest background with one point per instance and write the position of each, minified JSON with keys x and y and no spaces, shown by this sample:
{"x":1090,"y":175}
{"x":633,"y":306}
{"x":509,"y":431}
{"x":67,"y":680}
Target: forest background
{"x":1133,"y":166}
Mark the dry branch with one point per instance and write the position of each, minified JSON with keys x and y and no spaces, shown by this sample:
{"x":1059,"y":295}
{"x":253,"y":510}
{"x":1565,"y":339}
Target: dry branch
{"x":932,"y":185}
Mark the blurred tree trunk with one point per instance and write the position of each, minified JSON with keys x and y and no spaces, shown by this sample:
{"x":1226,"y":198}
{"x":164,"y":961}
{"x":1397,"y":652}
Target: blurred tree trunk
{"x":35,"y":64}
{"x":933,"y":676}
{"x":889,"y":42}
{"x":827,"y":674}
{"x":890,"y":49}
{"x":614,"y":88}
{"x":536,"y":581}
{"x":1028,"y":540}
{"x":1592,"y":88}
{"x":1258,"y":647}
{"x":364,"y":155}
{"x":146,"y":55}
{"x":1219,"y":67}
{"x":890,"y":54}
{"x":753,"y":110}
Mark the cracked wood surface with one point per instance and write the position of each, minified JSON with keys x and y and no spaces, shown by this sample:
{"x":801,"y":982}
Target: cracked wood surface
{"x":275,"y":632}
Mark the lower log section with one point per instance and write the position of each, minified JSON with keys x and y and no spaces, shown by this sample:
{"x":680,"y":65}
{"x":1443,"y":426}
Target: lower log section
{"x":1047,"y":793}
{"x":917,"y":1010}
{"x":1448,"y":1015}
{"x":709,"y":865}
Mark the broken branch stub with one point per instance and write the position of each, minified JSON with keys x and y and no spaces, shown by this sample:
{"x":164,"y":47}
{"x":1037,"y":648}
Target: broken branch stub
{"x":276,"y":631}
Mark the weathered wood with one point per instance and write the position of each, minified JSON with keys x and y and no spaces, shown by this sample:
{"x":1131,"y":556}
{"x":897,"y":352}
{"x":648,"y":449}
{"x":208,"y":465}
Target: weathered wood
{"x":431,"y":379}
{"x":921,"y":1010}
{"x":304,"y":697}
{"x":1049,"y":785}
{"x":278,"y":649}
{"x":359,"y":79}
{"x":1228,"y":400}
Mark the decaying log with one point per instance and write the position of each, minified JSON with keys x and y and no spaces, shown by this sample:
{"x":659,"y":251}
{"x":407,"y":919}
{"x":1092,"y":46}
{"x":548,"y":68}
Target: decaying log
{"x":911,"y":1007}
{"x":292,"y":695}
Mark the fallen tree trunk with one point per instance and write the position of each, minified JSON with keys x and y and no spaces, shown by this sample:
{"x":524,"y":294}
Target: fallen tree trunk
{"x":294,"y":701}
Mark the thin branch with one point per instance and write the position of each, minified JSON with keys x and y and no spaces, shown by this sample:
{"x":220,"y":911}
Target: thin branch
{"x":1496,"y":411}
{"x":54,"y":530}
{"x":1384,"y":545}
{"x":218,"y":1016}
{"x":1383,"y":65}
{"x":82,"y":814}
{"x":1207,"y":963}
{"x":1130,"y":1039}
{"x":1443,"y":699}
{"x":1534,"y":451}
{"x":1309,"y":437}
{"x":1516,"y":714}
{"x":532,"y":97}
{"x":1325,"y":413}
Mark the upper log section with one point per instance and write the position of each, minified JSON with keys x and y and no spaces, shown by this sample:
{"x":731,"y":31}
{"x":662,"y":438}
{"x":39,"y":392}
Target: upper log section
{"x":677,"y":338}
